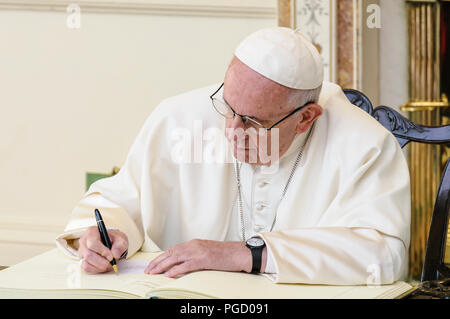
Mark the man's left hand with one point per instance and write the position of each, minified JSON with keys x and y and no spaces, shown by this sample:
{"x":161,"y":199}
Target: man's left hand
{"x":202,"y":255}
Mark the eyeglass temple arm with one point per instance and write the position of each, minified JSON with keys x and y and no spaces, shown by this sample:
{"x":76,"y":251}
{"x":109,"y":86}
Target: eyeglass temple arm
{"x":212,"y":95}
{"x":290,"y":114}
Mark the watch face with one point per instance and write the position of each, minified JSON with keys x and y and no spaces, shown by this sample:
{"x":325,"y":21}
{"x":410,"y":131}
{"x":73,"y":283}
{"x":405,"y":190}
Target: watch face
{"x":255,"y":242}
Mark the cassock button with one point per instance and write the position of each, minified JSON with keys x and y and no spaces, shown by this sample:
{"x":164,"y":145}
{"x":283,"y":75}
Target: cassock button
{"x":259,"y":207}
{"x":262,"y":184}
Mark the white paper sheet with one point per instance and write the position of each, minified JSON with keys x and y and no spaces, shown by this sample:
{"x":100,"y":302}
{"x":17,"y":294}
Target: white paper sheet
{"x":131,"y":266}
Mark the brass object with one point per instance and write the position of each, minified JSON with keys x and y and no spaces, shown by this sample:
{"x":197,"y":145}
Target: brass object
{"x":115,"y":170}
{"x":424,"y":108}
{"x":417,"y":106}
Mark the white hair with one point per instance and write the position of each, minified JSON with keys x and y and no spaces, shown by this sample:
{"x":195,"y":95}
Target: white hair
{"x":301,"y":97}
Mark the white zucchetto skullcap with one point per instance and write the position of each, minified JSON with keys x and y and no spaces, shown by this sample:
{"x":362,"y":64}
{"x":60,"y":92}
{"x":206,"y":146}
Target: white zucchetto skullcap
{"x":283,"y":55}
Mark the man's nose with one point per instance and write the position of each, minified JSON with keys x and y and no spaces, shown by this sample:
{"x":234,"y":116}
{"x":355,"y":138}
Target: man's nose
{"x":236,"y":129}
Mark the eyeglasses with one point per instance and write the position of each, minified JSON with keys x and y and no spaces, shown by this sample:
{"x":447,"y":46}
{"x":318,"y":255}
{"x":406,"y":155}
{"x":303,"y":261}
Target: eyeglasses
{"x":224,"y":109}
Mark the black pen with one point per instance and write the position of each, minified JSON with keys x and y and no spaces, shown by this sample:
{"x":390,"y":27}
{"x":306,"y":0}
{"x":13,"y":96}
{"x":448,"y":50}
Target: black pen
{"x":104,"y":236}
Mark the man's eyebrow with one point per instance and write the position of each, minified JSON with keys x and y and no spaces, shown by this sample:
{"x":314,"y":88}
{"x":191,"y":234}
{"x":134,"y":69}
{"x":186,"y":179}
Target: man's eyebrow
{"x":252,"y":117}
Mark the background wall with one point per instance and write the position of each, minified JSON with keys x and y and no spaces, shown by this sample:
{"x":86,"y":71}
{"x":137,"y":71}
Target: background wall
{"x":370,"y":53}
{"x":384,"y":56}
{"x":72,"y":100}
{"x":393,"y":50}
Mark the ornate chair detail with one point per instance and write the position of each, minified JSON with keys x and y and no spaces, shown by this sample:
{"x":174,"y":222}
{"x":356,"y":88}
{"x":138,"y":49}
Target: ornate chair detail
{"x":359,"y":99}
{"x":407,"y":131}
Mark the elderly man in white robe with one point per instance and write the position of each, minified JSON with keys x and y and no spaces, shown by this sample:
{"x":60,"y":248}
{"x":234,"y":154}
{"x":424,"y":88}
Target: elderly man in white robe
{"x":328,"y":204}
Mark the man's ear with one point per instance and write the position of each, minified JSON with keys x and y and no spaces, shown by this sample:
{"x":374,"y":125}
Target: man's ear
{"x":309,"y":115}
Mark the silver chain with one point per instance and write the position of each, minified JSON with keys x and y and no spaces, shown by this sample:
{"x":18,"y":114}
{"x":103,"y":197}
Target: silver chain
{"x":294,"y":168}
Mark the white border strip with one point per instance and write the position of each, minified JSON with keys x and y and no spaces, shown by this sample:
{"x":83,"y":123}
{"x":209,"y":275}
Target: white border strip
{"x":147,"y":7}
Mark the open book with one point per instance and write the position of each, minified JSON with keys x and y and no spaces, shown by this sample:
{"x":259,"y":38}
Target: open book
{"x":53,"y":275}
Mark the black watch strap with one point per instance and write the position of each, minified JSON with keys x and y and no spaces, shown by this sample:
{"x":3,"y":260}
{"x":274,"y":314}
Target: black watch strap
{"x":256,"y":249}
{"x":257,"y":259}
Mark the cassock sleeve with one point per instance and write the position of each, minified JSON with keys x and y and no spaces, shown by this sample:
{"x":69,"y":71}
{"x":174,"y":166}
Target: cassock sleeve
{"x":115,"y":217}
{"x":363,"y":237}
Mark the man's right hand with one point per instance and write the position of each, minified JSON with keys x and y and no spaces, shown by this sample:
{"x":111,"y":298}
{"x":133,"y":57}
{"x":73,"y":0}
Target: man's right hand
{"x":95,"y":255}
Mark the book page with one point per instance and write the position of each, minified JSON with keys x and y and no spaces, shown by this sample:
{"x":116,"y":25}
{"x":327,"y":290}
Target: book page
{"x":242,"y":285}
{"x":54,"y":271}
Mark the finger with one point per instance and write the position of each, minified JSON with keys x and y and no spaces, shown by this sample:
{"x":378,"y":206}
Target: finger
{"x":119,"y":246}
{"x":157,"y":260}
{"x":94,"y":243}
{"x":166,"y":264}
{"x":181,"y":269}
{"x":99,"y":262}
{"x":89,"y":268}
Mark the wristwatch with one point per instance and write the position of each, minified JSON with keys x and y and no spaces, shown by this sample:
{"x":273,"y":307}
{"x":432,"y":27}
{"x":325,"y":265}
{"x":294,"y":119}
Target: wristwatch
{"x":256,"y":246}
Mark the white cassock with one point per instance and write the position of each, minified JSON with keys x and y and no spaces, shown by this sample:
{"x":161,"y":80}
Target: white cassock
{"x":344,"y":220}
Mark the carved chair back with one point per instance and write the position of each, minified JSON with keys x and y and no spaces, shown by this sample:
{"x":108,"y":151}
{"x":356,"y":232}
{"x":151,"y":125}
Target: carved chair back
{"x":407,"y":131}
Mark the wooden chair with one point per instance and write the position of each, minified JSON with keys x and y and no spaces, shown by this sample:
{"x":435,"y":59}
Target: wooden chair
{"x":407,"y":131}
